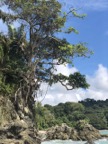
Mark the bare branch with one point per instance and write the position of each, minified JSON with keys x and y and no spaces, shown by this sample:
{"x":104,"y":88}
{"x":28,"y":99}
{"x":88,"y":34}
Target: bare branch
{"x":66,"y":86}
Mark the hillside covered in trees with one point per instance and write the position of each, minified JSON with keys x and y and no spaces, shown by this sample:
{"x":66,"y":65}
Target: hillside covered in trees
{"x":95,"y":112}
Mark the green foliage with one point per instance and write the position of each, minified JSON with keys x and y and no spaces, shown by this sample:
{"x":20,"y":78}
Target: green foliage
{"x":68,"y":113}
{"x":71,"y":29}
{"x":43,"y":117}
{"x":74,"y":12}
{"x":77,"y":114}
{"x":5,"y":89}
{"x":1,"y":53}
{"x":11,"y":61}
{"x":95,"y":111}
{"x":30,"y":54}
{"x":81,"y":124}
{"x":34,"y":55}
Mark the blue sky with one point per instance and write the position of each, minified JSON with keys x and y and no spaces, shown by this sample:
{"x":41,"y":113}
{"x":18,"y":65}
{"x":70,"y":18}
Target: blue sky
{"x":93,"y":30}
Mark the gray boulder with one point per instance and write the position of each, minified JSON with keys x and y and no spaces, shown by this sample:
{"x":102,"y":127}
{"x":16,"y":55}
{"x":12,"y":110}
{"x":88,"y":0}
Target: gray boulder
{"x":83,"y":131}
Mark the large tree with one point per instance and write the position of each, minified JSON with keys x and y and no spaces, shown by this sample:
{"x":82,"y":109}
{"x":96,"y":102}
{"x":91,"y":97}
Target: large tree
{"x":34,"y":50}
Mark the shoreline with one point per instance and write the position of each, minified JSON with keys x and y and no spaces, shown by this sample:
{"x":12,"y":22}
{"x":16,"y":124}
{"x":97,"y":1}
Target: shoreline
{"x":43,"y":133}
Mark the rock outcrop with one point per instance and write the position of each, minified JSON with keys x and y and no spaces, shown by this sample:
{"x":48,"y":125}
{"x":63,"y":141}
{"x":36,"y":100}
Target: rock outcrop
{"x":13,"y":128}
{"x":83,"y":131}
{"x":87,"y":131}
{"x":62,"y":132}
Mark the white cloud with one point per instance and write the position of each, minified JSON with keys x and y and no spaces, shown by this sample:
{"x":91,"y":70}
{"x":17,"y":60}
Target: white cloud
{"x":97,"y":90}
{"x":99,"y":84}
{"x":100,"y":79}
{"x":65,"y":70}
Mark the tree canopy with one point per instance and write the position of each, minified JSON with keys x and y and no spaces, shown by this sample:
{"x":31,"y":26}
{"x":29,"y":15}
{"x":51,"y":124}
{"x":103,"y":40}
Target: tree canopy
{"x":29,"y":54}
{"x":90,"y":110}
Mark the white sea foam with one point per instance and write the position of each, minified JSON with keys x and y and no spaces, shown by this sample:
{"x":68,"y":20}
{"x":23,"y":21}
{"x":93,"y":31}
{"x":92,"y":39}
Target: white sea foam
{"x":101,"y":141}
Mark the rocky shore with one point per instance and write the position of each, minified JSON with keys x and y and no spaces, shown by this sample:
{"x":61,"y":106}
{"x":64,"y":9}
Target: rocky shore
{"x":83,"y":131}
{"x":15,"y":129}
{"x":19,"y":132}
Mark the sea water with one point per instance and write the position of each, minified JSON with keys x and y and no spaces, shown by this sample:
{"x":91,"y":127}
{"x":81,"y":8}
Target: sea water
{"x":101,"y":141}
{"x":103,"y":132}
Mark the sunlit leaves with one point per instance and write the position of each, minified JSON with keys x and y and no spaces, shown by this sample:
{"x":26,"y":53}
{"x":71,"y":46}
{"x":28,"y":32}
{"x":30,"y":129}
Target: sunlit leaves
{"x":71,"y":29}
{"x":74,"y":12}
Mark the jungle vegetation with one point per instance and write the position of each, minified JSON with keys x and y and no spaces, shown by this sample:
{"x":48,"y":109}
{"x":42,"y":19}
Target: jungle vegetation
{"x":90,"y":110}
